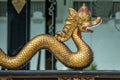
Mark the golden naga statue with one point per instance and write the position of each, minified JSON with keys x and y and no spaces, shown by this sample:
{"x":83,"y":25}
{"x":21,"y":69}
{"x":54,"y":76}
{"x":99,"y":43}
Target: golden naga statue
{"x":76,"y":23}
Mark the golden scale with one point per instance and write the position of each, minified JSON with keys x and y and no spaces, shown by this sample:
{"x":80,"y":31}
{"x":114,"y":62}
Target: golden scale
{"x":58,"y":74}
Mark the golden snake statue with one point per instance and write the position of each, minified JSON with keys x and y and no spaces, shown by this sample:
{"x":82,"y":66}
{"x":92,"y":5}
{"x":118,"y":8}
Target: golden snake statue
{"x":76,"y":23}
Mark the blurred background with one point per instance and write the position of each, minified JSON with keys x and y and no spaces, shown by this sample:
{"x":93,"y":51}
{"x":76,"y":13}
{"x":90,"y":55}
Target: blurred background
{"x":105,"y":41}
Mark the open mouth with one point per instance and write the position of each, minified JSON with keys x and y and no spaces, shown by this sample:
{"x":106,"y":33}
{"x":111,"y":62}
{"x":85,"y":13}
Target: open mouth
{"x":89,"y":30}
{"x":95,"y":25}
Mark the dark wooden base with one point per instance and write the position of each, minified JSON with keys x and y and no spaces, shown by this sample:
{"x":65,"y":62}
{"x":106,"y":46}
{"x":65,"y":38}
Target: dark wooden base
{"x":59,"y":75}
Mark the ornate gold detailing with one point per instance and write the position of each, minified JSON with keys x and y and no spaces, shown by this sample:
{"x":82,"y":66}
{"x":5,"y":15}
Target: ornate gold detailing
{"x":76,"y":78}
{"x":75,"y":25}
{"x":18,"y":5}
{"x":6,"y":78}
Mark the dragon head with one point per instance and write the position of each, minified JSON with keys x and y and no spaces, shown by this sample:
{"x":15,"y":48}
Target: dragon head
{"x":86,"y":24}
{"x":81,"y":20}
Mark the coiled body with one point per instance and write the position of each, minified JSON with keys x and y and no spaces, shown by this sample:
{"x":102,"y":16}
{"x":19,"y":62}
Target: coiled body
{"x":79,"y":59}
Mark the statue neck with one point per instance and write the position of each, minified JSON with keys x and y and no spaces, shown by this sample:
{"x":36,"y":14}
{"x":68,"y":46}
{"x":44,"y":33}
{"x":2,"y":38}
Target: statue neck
{"x":77,"y":38}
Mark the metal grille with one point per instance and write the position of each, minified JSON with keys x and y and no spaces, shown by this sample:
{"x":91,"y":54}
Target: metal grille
{"x":38,"y":6}
{"x":3,"y":8}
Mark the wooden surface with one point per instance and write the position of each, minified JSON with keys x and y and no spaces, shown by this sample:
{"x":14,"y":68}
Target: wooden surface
{"x":59,"y":73}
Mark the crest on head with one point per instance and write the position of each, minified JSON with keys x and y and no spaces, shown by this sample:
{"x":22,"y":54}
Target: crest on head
{"x":84,"y":13}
